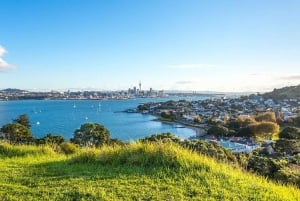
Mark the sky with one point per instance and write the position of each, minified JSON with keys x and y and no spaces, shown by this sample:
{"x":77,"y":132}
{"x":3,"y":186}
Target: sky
{"x":197,"y":45}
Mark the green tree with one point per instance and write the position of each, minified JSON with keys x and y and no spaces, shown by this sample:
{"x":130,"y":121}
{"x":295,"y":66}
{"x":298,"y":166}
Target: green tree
{"x":239,"y":122}
{"x":23,"y":120}
{"x":91,"y":134}
{"x":264,"y":130}
{"x":218,"y":131}
{"x":143,"y":107}
{"x":170,"y":115}
{"x":16,"y":133}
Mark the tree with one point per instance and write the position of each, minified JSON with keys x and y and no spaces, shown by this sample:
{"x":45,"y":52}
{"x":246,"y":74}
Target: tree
{"x":91,"y":134}
{"x":23,"y":120}
{"x":143,"y":107}
{"x":240,"y":122}
{"x":168,"y":115}
{"x":245,"y":132}
{"x":197,"y":119}
{"x":268,"y":116}
{"x":264,"y":130}
{"x":218,"y":131}
{"x":16,"y":133}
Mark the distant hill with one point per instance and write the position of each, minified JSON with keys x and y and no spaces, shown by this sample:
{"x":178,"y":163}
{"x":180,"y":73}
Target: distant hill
{"x":12,"y":91}
{"x":285,"y":92}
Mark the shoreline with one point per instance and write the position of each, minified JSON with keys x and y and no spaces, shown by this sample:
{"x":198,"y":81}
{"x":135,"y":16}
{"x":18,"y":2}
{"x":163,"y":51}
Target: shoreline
{"x":200,"y":132}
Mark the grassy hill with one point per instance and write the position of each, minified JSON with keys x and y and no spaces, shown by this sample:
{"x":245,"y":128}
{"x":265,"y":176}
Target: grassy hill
{"x":286,"y":92}
{"x":138,"y":171}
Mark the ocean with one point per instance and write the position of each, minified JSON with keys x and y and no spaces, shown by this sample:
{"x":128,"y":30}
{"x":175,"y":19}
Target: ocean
{"x":63,"y":117}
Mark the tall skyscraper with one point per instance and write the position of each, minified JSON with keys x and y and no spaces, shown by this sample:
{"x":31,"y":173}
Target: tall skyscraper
{"x":140,"y":85}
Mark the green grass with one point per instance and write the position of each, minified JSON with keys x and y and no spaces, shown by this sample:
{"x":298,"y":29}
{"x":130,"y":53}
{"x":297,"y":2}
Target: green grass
{"x":134,"y":172}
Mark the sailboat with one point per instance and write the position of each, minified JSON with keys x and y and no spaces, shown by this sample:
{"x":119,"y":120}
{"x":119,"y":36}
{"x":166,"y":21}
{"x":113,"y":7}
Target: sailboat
{"x":99,"y":107}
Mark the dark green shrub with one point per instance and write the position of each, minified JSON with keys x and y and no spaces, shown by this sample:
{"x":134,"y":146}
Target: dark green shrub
{"x":163,"y":137}
{"x":288,"y":146}
{"x":290,"y":133}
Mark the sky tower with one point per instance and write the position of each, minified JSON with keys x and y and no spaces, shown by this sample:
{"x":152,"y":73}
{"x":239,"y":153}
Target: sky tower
{"x":140,"y":85}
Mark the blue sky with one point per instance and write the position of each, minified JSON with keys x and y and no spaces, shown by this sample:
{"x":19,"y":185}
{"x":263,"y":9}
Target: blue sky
{"x":196,"y":45}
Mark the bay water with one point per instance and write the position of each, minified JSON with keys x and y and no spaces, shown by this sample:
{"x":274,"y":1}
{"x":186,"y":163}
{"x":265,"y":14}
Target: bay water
{"x":63,"y":117}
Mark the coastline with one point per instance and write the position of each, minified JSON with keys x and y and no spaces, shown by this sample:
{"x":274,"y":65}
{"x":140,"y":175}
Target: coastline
{"x":200,"y":132}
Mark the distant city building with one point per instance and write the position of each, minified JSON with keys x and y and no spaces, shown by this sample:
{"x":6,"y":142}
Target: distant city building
{"x":140,"y":85}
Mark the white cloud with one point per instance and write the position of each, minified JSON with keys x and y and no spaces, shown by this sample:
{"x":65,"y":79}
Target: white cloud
{"x":290,"y":77}
{"x":190,"y":66}
{"x":236,"y":82}
{"x":3,"y":64}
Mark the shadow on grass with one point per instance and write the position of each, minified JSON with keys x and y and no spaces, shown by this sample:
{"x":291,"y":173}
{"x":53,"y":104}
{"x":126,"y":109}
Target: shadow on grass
{"x":67,"y":169}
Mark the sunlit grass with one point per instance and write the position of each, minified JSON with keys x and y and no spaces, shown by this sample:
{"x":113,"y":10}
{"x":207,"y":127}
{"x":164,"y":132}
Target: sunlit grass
{"x":137,"y":171}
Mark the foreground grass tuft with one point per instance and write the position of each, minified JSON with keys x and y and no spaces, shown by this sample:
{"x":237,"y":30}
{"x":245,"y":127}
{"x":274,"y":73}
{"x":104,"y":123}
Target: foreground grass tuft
{"x":139,"y":171}
{"x":7,"y":150}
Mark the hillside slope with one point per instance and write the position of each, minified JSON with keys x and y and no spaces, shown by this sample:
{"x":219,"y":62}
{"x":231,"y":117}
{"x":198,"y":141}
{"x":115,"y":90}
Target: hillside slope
{"x":285,"y":92}
{"x":135,"y":172}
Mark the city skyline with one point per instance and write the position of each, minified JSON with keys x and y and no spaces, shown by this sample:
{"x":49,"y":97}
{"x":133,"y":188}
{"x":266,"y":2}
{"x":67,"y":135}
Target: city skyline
{"x":224,"y":46}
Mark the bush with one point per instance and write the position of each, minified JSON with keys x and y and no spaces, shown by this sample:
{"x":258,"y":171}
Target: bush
{"x":265,"y":166}
{"x":211,"y":149}
{"x":290,"y":133}
{"x":68,"y":148}
{"x":163,"y":137}
{"x":288,"y":175}
{"x":288,"y":146}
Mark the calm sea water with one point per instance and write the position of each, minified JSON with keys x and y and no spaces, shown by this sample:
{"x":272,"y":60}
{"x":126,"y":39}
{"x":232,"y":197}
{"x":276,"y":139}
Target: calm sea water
{"x":64,"y":117}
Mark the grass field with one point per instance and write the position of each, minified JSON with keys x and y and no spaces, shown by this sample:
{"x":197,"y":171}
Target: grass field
{"x":135,"y":172}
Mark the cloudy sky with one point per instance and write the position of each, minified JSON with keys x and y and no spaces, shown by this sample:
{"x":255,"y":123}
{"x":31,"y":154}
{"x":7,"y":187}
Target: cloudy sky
{"x":195,"y":45}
